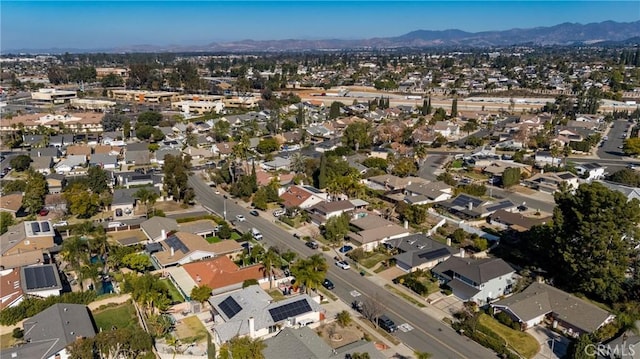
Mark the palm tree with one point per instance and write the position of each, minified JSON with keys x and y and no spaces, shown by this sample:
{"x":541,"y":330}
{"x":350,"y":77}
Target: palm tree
{"x":289,"y":256}
{"x":298,"y":162}
{"x":74,"y":251}
{"x":318,"y":263}
{"x":89,"y":271}
{"x":269,"y":262}
{"x":147,"y":197}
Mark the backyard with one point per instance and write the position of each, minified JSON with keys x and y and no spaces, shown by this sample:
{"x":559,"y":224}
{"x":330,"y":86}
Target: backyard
{"x":175,"y":295}
{"x":523,"y":343}
{"x":191,"y":330}
{"x":121,"y":316}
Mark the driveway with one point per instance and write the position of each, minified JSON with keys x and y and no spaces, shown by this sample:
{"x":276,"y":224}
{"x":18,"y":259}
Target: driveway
{"x":552,"y":344}
{"x":447,"y":305}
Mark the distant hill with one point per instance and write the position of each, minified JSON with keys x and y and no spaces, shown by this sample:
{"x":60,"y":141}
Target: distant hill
{"x":563,"y":34}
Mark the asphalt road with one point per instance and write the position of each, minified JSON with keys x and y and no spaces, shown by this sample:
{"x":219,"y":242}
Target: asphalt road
{"x":428,"y":334}
{"x":610,"y":148}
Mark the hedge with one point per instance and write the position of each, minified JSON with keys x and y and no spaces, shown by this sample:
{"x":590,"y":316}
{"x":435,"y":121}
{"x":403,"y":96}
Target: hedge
{"x":32,"y":306}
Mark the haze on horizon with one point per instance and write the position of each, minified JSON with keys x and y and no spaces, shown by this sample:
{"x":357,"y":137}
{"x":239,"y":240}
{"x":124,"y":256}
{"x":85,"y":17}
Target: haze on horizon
{"x":100,"y":25}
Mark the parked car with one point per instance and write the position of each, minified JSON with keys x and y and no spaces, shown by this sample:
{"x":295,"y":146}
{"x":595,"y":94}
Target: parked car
{"x":343,"y":264}
{"x":60,"y":224}
{"x":345,"y":249}
{"x":240,"y":218}
{"x":115,"y":224}
{"x":256,"y":234}
{"x":312,"y":244}
{"x":328,"y":284}
{"x":43,"y":212}
{"x":387,"y":324}
{"x":279,"y":212}
{"x":254,"y":213}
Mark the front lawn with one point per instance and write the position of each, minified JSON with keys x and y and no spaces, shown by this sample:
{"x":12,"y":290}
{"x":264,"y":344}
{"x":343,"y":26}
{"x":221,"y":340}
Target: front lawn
{"x":374,"y":259}
{"x":523,"y":343}
{"x":121,"y":316}
{"x":215,"y":239}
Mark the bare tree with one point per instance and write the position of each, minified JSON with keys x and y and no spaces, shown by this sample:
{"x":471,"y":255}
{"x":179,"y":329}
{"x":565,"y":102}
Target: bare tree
{"x":372,"y":308}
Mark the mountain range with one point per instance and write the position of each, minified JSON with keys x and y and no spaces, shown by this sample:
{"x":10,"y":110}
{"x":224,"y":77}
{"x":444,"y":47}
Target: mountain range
{"x":562,"y":34}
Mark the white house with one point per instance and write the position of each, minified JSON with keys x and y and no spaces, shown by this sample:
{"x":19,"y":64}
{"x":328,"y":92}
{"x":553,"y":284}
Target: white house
{"x":70,"y":163}
{"x":446,"y":129}
{"x":252,"y":312}
{"x":590,"y":171}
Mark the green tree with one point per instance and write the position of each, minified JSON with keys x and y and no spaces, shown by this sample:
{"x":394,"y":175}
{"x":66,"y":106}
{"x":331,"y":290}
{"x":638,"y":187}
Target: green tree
{"x":405,"y":166}
{"x":33,"y":199}
{"x":6,"y":220}
{"x":336,"y":228}
{"x":321,"y":181}
{"x":221,"y":130}
{"x":136,"y":261}
{"x":267,"y":145}
{"x":334,"y":110}
{"x":112,"y":80}
{"x":149,"y":118}
{"x":343,"y":318}
{"x":454,"y":108}
{"x":20,"y":163}
{"x":591,"y":240}
{"x":176,"y":175}
{"x":631,"y":146}
{"x":270,"y":261}
{"x":242,"y":348}
{"x":112,"y":121}
{"x":470,"y":126}
{"x":82,"y":202}
{"x":626,"y":176}
{"x":511,"y":177}
{"x":201,"y":293}
{"x":357,"y":136}
{"x":97,"y":179}
{"x":376,"y":162}
{"x":146,"y":196}
{"x":126,"y":129}
{"x":13,"y":186}
{"x":310,"y":272}
{"x":578,"y":348}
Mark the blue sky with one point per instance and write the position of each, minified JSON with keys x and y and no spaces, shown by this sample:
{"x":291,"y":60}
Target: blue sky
{"x":98,"y":24}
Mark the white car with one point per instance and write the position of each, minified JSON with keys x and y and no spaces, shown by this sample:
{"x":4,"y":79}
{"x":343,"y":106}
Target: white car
{"x":60,"y":224}
{"x":240,"y":218}
{"x":343,"y":264}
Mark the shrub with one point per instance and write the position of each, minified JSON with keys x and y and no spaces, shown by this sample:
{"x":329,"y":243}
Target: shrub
{"x":17,"y":333}
{"x":32,"y":306}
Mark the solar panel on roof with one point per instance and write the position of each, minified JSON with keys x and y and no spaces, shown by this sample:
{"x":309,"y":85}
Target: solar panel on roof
{"x":500,"y":205}
{"x":175,"y":243}
{"x":441,"y":252}
{"x":312,"y":189}
{"x":290,"y":310}
{"x":463,"y":201}
{"x":39,"y":277}
{"x":35,"y":227}
{"x":45,"y":226}
{"x":230,"y":307}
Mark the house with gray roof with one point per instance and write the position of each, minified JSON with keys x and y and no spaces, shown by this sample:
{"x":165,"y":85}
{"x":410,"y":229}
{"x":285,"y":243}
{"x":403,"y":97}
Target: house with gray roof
{"x":419,"y":252}
{"x":138,"y":153}
{"x":467,"y":206}
{"x":539,"y":301}
{"x":48,"y":333}
{"x":33,"y":140}
{"x":278,"y":163}
{"x":156,"y":228}
{"x":40,"y":280}
{"x":424,"y":193}
{"x":161,"y":153}
{"x":104,"y":160}
{"x":252,"y":312}
{"x":478,"y":280}
{"x":305,"y":343}
{"x":70,"y":163}
{"x":627,"y":191}
{"x":321,"y":212}
{"x":45,"y":152}
{"x":42,"y":164}
{"x":124,"y":200}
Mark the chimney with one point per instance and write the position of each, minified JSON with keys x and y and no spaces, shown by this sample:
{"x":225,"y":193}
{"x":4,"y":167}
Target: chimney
{"x":163,"y":234}
{"x":252,"y":327}
{"x":449,"y":242}
{"x":406,"y":224}
{"x":461,"y":252}
{"x":173,"y":251}
{"x":470,"y":205}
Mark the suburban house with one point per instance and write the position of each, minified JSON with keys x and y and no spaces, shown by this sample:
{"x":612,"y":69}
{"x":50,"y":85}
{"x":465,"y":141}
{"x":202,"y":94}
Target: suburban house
{"x":48,"y":333}
{"x":391,"y":183}
{"x":446,"y":129}
{"x":137,"y":153}
{"x":515,"y":221}
{"x":627,"y":191}
{"x":252,"y":312}
{"x":40,"y":280}
{"x":419,"y":252}
{"x":551,"y":182}
{"x":124,"y":200}
{"x":477,"y":280}
{"x":322,"y":211}
{"x":277,"y":164}
{"x":204,"y":227}
{"x":15,"y":261}
{"x":467,"y":206}
{"x":221,"y":274}
{"x":542,"y":158}
{"x":11,"y":203}
{"x":156,"y":228}
{"x":424,"y":193}
{"x":105,"y":161}
{"x":42,"y":164}
{"x":590,"y":171}
{"x":70,"y":164}
{"x":540,"y":302}
{"x":27,"y":236}
{"x":374,"y":230}
{"x":181,"y":248}
{"x":55,"y":182}
{"x":302,"y":196}
{"x":305,"y":343}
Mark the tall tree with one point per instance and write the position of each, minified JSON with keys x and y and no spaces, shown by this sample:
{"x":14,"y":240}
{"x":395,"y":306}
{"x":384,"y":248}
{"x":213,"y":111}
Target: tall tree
{"x":270,"y":262}
{"x":334,"y":110}
{"x":357,"y":135}
{"x":510,"y":177}
{"x":33,"y":199}
{"x":201,"y":293}
{"x":322,"y":173}
{"x":592,"y":239}
{"x":97,"y":179}
{"x":242,"y":348}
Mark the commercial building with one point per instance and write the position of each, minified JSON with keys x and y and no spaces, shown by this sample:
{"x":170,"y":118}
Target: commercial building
{"x":53,"y":96}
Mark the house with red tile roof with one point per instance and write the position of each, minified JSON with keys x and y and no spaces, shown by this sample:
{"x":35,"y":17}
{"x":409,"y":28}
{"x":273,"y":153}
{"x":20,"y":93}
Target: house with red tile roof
{"x":11,"y":293}
{"x":302,"y":196}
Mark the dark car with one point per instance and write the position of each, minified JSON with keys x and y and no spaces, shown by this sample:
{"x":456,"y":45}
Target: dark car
{"x":254,"y":213}
{"x":328,"y":284}
{"x":312,"y":244}
{"x":387,"y":324}
{"x":43,"y":212}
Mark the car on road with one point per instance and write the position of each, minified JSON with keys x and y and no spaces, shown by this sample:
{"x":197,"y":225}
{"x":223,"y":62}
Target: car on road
{"x":387,"y":324}
{"x":240,"y":218}
{"x":343,"y":264}
{"x":60,"y":224}
{"x":345,"y":249}
{"x":312,"y":244}
{"x":254,"y":213}
{"x":43,"y":212}
{"x":328,"y":284}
